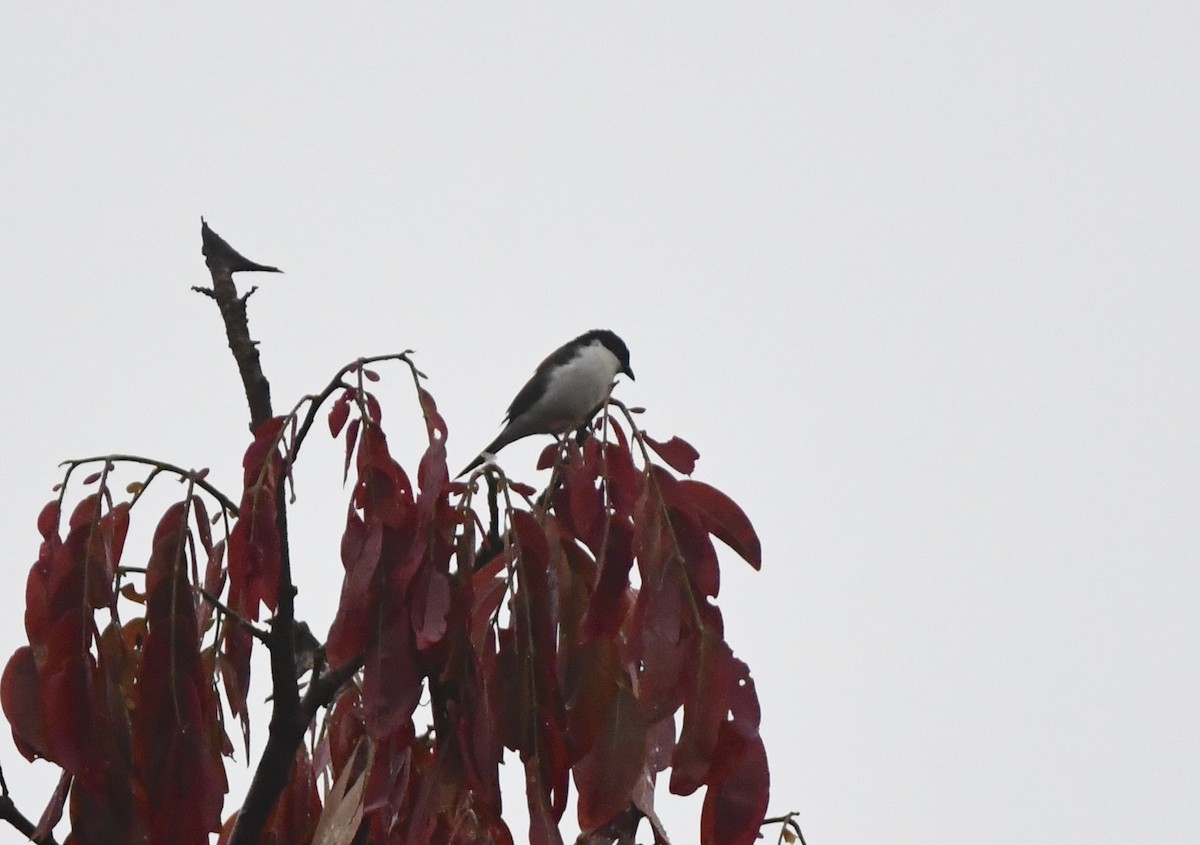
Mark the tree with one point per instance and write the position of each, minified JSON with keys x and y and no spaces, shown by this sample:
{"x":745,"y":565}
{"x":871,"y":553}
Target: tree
{"x":526,"y":635}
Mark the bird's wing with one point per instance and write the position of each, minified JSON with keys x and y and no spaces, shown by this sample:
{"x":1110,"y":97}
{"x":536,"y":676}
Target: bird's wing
{"x":536,"y":386}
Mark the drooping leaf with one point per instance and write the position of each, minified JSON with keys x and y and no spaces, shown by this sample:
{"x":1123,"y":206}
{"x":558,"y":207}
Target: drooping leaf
{"x":699,"y":556}
{"x":54,"y":809}
{"x":20,"y":695}
{"x":610,"y":600}
{"x":543,"y":738}
{"x":740,"y":787}
{"x":725,"y":519}
{"x":708,"y":695}
{"x":606,"y":777}
{"x":362,"y":550}
{"x":176,"y":736}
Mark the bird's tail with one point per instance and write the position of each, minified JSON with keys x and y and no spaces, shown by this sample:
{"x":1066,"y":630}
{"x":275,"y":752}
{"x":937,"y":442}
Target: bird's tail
{"x":488,"y":452}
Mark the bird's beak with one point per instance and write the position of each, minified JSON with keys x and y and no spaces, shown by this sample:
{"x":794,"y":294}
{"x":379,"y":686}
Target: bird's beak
{"x":629,"y":372}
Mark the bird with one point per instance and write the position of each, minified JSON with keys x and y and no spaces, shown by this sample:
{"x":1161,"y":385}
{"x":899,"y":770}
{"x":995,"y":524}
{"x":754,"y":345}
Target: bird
{"x":565,"y":390}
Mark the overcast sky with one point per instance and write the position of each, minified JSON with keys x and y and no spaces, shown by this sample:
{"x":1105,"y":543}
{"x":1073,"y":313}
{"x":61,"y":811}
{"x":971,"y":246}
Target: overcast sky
{"x":919,"y":281}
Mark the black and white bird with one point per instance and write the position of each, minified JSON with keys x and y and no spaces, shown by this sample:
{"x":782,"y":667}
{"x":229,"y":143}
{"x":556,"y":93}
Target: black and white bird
{"x":565,"y":391}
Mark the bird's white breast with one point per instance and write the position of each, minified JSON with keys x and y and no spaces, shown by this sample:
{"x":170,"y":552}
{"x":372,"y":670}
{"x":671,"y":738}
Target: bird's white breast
{"x":578,"y":386}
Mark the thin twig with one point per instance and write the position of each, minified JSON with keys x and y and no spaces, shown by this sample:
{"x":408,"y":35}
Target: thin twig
{"x":159,"y":466}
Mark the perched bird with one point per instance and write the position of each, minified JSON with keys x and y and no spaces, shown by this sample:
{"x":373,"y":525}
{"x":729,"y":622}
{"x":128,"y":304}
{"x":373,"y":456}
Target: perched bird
{"x":565,"y":391}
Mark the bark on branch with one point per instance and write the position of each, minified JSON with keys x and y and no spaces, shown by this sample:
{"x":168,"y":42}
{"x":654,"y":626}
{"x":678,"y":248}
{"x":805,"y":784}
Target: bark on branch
{"x":223,"y":261}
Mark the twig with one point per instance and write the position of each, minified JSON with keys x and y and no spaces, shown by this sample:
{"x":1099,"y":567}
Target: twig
{"x":787,"y":822}
{"x":159,"y":466}
{"x":250,"y":628}
{"x":10,"y":814}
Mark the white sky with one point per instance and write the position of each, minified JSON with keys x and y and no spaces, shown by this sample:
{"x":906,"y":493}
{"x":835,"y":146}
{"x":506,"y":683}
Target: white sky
{"x":919,"y":280}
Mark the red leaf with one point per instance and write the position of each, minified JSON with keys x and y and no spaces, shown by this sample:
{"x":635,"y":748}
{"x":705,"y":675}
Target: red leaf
{"x":371,"y":375}
{"x":624,"y":482}
{"x":54,"y":809}
{"x":590,"y":674}
{"x":339,"y":413}
{"x":351,"y":439}
{"x":678,"y":453}
{"x":666,"y":645}
{"x":295,"y":815}
{"x":234,"y":663}
{"x":610,"y":600}
{"x":214,"y":581}
{"x":547,"y":456}
{"x":67,"y":682}
{"x":47,"y":521}
{"x":583,"y":508}
{"x":704,"y":711}
{"x":21,"y":697}
{"x":607,"y":776}
{"x":93,"y":478}
{"x":203,"y":524}
{"x":738,"y":792}
{"x":362,"y":548}
{"x":544,"y":734}
{"x":521,"y":489}
{"x":435,"y":426}
{"x":176,"y":736}
{"x":392,"y":681}
{"x":254,"y":552}
{"x":543,"y":820}
{"x":699,"y":556}
{"x":725,"y":520}
{"x":114,"y":527}
{"x":433,"y":605}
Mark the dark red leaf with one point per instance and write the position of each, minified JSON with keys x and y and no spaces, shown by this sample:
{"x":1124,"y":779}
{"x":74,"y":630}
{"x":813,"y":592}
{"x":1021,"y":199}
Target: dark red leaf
{"x":738,"y":792}
{"x":47,"y":521}
{"x":606,"y":777}
{"x":93,"y":478}
{"x":522,"y":489}
{"x":678,"y":453}
{"x":20,"y":694}
{"x":295,"y":815}
{"x":543,"y":820}
{"x":54,"y":809}
{"x":725,"y":519}
{"x":699,"y":556}
{"x":214,"y":581}
{"x":176,"y":734}
{"x":234,"y":663}
{"x":434,"y":424}
{"x":351,"y":439}
{"x":623,"y":479}
{"x":547,"y":456}
{"x":114,"y":527}
{"x":660,"y":744}
{"x":705,"y":707}
{"x":362,"y":548}
{"x":666,"y":644}
{"x":544,"y":736}
{"x":610,"y":600}
{"x":392,"y":682}
{"x":254,"y":552}
{"x":433,"y":605}
{"x":590,"y":676}
{"x":203,"y":524}
{"x":370,"y":375}
{"x":67,"y":683}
